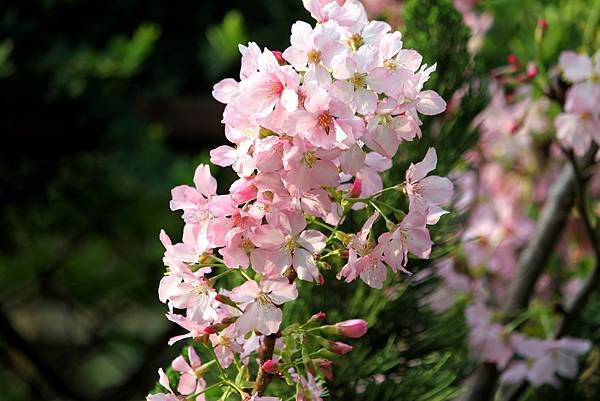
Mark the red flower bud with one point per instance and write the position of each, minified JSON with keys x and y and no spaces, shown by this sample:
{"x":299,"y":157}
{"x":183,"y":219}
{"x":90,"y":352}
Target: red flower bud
{"x":319,"y":316}
{"x":211,"y":330}
{"x":356,"y":189}
{"x":279,"y":56}
{"x":532,"y":70}
{"x":270,"y":366}
{"x":513,"y":60}
{"x":543,"y":24}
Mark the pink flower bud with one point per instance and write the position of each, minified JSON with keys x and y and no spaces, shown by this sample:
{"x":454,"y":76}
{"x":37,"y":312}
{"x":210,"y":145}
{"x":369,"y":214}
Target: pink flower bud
{"x":543,"y":24}
{"x":354,"y":328}
{"x":356,"y":189}
{"x":279,"y":56}
{"x":270,"y":366}
{"x":340,"y":348}
{"x":513,"y":60}
{"x":532,"y":70}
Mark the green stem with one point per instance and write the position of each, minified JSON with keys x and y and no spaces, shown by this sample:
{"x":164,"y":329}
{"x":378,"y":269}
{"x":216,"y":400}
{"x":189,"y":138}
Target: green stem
{"x":206,"y":389}
{"x":387,"y":220}
{"x":215,"y":358}
{"x":214,"y":279}
{"x":246,"y":276}
{"x":318,"y":223}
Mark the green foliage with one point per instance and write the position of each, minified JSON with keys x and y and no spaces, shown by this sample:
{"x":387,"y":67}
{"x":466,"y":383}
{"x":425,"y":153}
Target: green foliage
{"x":6,"y":66}
{"x":121,"y":59}
{"x":223,"y":39}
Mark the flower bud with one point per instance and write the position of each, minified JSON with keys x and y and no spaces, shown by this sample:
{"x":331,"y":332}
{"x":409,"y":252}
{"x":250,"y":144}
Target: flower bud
{"x":270,"y":366}
{"x":338,"y":347}
{"x":356,"y":189}
{"x":532,"y":70}
{"x":513,"y":60}
{"x":225,"y":300}
{"x":317,"y":317}
{"x":326,"y":367}
{"x":353,"y":328}
{"x":279,"y":56}
{"x":543,"y":24}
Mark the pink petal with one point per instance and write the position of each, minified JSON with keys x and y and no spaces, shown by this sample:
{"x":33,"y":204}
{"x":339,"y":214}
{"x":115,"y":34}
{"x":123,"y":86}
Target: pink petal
{"x":225,"y":90}
{"x":187,"y":384}
{"x":430,"y":103}
{"x":305,"y":266}
{"x":204,"y":181}
{"x":576,"y":67}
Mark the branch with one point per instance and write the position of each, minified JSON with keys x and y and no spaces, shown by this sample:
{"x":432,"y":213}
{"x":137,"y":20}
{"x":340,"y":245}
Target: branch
{"x":576,"y":307}
{"x":532,"y":261}
{"x":265,"y":353}
{"x":580,"y":301}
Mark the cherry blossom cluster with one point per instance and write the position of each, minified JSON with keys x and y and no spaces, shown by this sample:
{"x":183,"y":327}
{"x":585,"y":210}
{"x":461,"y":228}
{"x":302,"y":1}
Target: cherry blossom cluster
{"x":312,"y":129}
{"x":509,"y":176}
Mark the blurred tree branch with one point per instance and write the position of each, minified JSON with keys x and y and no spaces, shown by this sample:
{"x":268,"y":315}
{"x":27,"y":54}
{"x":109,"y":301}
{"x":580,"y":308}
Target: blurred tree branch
{"x":577,"y":305}
{"x":533,"y":259}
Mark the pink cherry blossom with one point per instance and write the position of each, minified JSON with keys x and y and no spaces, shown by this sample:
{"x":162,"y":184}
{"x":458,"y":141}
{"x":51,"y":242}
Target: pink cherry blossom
{"x":360,"y":245}
{"x":431,"y":192}
{"x":189,"y":383}
{"x":313,"y":47}
{"x":411,"y":235}
{"x":261,"y":310}
{"x":286,"y":243}
{"x":326,"y":121}
{"x":577,"y":67}
{"x":196,"y":296}
{"x":489,"y":341}
{"x":194,"y":201}
{"x":164,"y":381}
{"x":545,"y":359}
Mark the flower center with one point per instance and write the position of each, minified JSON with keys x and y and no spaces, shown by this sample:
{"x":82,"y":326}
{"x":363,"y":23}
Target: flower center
{"x":263,"y":299}
{"x":201,"y":290}
{"x":290,"y":243}
{"x":325,"y":121}
{"x":355,"y":41}
{"x":275,"y":87}
{"x":202,"y":216}
{"x":309,"y":159}
{"x":358,"y":80}
{"x":247,"y":245}
{"x":314,"y":56}
{"x":224,"y":341}
{"x":390,"y":64}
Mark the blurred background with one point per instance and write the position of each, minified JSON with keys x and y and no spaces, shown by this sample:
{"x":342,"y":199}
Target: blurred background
{"x":105,"y":106}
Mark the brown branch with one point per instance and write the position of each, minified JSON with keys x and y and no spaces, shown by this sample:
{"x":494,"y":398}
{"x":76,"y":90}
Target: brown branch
{"x":265,"y":353}
{"x":580,"y":301}
{"x":531,"y":263}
